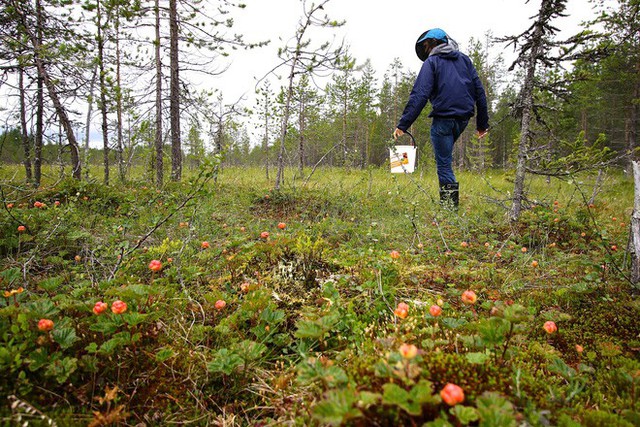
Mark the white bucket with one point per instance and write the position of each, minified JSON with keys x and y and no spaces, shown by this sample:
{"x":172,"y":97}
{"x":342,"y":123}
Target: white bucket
{"x":402,"y":158}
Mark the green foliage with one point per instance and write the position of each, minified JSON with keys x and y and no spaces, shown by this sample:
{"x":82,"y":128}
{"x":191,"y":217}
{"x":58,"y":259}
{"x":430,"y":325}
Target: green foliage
{"x":410,"y":401}
{"x":579,"y":155}
{"x":601,"y":418}
{"x":308,"y":324}
{"x":337,"y":407}
{"x":224,"y":361}
{"x":494,"y":410}
{"x":465,"y":414}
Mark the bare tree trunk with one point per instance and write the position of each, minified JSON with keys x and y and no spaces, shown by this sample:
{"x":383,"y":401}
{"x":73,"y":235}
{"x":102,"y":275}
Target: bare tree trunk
{"x":395,"y":95}
{"x":525,"y":126}
{"x":518,"y":188}
{"x":634,"y":237}
{"x":176,"y":149}
{"x":158,"y":134}
{"x":461,"y":151}
{"x":68,"y":128}
{"x":24,"y":131}
{"x":596,"y":187}
{"x":367,"y":154}
{"x":220,"y":134}
{"x":60,"y":151}
{"x":297,"y":56}
{"x":631,"y":135}
{"x":87,"y":128}
{"x":265,"y":144}
{"x":301,"y":120}
{"x":344,"y":122}
{"x":37,"y":149}
{"x":285,"y":124}
{"x":483,"y":154}
{"x":36,"y":41}
{"x":120,"y":150}
{"x":103,"y":95}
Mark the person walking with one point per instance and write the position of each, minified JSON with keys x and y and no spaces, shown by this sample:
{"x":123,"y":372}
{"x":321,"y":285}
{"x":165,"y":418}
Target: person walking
{"x":450,"y":82}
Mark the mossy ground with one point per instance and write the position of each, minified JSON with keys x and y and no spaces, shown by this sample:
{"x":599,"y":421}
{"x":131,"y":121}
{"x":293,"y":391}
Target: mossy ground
{"x":308,"y":334}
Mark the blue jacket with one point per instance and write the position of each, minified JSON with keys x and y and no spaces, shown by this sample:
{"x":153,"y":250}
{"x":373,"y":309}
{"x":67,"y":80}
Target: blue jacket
{"x":450,"y":82}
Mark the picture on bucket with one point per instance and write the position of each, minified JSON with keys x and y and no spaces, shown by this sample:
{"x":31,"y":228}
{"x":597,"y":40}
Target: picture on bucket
{"x":402,"y":158}
{"x":396,"y":161}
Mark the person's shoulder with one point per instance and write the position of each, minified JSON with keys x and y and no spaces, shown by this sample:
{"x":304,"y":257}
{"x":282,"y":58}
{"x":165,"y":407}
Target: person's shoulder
{"x":430,"y":62}
{"x":464,"y":56}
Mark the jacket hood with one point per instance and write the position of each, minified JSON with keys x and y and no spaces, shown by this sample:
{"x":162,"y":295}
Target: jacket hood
{"x":446,"y":50}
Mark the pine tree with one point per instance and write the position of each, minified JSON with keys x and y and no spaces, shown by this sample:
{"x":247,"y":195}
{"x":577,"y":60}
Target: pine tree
{"x":51,"y":46}
{"x":535,"y":54}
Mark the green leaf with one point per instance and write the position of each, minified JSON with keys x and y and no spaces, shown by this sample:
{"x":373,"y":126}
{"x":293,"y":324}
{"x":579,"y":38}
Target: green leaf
{"x":10,"y":276}
{"x":495,"y":411}
{"x":438,"y":423}
{"x":251,"y":350}
{"x":368,"y":398}
{"x":517,"y":313}
{"x":311,"y":371}
{"x":77,"y":234}
{"x":5,"y":357}
{"x":422,"y":392}
{"x":89,"y":363}
{"x":164,"y":354}
{"x":493,"y":330}
{"x":62,"y":369}
{"x":135,"y":291}
{"x":465,"y":414}
{"x":224,"y":361}
{"x":453,"y":323}
{"x":272,"y":317}
{"x":318,"y":328}
{"x":108,"y":347}
{"x":92,"y":348}
{"x":477,"y":358}
{"x":309,"y":329}
{"x":44,"y":309}
{"x":337,"y":407}
{"x":51,"y":284}
{"x":334,"y":376}
{"x":105,"y":325}
{"x":133,"y":318}
{"x":38,"y":359}
{"x":64,"y":336}
{"x":558,"y":366}
{"x":396,"y":395}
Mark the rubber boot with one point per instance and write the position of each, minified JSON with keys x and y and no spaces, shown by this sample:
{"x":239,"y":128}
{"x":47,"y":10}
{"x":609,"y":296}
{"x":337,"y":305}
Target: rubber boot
{"x":449,"y":196}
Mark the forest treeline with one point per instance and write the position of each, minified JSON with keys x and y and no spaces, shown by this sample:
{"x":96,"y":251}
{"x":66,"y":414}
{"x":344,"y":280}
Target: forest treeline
{"x":126,"y":69}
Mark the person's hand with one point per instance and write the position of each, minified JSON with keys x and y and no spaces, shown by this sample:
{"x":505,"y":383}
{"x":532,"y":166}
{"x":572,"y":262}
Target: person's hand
{"x":397,"y":133}
{"x":482,"y":133}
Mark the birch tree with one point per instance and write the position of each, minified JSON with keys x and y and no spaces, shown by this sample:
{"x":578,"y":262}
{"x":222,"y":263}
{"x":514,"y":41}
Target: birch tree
{"x":301,"y":57}
{"x":264,"y":103}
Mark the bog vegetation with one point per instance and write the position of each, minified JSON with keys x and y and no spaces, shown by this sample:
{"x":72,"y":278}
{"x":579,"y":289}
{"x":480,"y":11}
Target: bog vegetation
{"x":355,"y":299}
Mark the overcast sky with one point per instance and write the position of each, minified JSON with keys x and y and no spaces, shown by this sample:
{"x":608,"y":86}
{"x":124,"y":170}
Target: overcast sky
{"x":379,"y":30}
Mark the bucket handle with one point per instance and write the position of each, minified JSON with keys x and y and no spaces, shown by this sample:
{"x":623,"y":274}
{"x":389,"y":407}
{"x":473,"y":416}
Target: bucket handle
{"x":413,"y":140}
